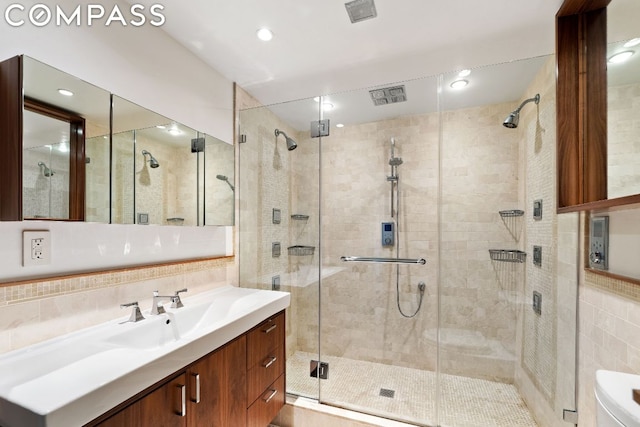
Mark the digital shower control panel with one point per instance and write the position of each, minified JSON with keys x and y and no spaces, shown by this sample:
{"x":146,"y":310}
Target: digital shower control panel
{"x":387,"y":234}
{"x":599,"y":243}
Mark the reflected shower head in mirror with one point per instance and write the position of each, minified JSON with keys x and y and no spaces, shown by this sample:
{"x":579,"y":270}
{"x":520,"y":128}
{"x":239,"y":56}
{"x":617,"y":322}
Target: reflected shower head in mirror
{"x":512,"y":120}
{"x":152,"y":160}
{"x":225,"y":179}
{"x":46,"y":172}
{"x":291,"y":144}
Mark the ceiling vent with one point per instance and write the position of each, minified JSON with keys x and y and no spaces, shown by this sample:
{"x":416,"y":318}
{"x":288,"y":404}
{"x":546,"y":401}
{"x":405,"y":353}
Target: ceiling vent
{"x":361,"y":10}
{"x":388,"y":95}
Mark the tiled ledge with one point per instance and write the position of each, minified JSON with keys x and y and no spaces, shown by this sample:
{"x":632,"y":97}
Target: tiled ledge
{"x":16,"y":292}
{"x":627,"y":288}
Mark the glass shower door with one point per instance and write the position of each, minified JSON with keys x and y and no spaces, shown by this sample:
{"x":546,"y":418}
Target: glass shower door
{"x":279,"y":225}
{"x":379,"y":189}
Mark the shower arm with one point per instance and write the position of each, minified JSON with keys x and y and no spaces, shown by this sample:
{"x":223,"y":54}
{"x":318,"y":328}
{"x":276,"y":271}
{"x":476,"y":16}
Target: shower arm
{"x":535,"y":99}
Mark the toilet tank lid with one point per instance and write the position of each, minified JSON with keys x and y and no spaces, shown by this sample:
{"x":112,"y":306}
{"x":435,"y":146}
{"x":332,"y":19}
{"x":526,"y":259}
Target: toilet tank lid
{"x":615,"y":391}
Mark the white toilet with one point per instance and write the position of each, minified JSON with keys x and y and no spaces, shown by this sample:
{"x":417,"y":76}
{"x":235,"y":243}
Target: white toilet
{"x":614,"y":397}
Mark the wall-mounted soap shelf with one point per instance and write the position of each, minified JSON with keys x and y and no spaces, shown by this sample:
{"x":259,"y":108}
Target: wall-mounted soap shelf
{"x":507,"y":255}
{"x":300,"y":250}
{"x":511,"y":213}
{"x":299,"y":217}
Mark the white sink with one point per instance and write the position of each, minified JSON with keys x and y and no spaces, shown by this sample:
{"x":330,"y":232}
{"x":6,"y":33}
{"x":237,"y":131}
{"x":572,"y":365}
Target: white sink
{"x":72,"y":379}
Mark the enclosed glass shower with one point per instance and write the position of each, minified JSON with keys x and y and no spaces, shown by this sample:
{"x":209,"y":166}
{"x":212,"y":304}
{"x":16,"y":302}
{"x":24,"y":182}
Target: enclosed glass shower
{"x":402,"y":224}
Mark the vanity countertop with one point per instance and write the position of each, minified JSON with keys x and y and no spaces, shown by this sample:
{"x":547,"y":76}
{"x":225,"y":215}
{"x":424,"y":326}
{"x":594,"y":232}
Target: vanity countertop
{"x":74,"y":378}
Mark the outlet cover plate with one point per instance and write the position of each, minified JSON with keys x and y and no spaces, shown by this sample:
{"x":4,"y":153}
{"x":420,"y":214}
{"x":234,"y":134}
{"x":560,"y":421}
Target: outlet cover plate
{"x":36,"y":247}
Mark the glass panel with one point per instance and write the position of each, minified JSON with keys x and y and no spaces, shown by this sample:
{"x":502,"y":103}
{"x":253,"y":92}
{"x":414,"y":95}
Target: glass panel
{"x":379,"y":196}
{"x":45,"y":167}
{"x":502,"y":361}
{"x":279,"y":205}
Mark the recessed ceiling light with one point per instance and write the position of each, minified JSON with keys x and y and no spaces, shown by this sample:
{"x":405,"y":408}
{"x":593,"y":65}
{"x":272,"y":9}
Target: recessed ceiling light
{"x":632,"y":42}
{"x":464,"y":73}
{"x":264,"y":34}
{"x":327,"y":106}
{"x":459,"y":84}
{"x":621,"y":57}
{"x":161,"y":127}
{"x":339,"y":125}
{"x":317,"y":99}
{"x":65,"y":92}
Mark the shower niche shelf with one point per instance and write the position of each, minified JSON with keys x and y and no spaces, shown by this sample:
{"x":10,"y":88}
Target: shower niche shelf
{"x":299,"y":217}
{"x":511,"y":213}
{"x":299,"y":250}
{"x":507,"y":255}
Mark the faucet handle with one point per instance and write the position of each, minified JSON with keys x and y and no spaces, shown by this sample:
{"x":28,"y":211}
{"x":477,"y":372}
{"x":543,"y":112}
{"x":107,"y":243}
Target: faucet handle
{"x":136,"y":314}
{"x":176,"y":302}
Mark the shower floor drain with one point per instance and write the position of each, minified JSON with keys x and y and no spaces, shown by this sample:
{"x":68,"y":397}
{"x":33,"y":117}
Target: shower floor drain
{"x":385,"y":392}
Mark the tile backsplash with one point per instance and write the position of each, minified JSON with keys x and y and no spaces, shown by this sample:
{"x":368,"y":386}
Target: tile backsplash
{"x":33,"y":311}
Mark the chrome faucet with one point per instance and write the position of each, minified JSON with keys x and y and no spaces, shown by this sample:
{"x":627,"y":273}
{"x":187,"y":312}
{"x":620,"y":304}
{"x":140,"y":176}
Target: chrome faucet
{"x":175,"y":301}
{"x":136,"y":315}
{"x":157,"y":308}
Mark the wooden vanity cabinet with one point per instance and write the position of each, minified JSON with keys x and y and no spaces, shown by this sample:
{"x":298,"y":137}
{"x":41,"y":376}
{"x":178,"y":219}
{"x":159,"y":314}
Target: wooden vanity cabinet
{"x":265,"y":371}
{"x":217,"y":387}
{"x":161,"y":407}
{"x":240,"y":384}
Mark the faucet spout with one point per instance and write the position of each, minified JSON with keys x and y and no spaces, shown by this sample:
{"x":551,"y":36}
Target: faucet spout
{"x":156,"y":306}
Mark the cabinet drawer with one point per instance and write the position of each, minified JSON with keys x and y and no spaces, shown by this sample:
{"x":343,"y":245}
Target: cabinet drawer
{"x":265,"y":338}
{"x":267,"y":406}
{"x":264,"y":373}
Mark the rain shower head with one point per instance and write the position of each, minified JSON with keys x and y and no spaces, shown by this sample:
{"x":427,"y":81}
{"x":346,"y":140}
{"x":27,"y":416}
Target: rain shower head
{"x":46,"y":172}
{"x":513,"y":118}
{"x":152,"y":160}
{"x":226,"y":179}
{"x":291,"y":144}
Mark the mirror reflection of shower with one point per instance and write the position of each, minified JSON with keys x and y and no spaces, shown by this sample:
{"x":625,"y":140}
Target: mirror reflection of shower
{"x":513,"y":118}
{"x":226,"y":179}
{"x":394,"y":179}
{"x":46,"y":171}
{"x":152,"y":160}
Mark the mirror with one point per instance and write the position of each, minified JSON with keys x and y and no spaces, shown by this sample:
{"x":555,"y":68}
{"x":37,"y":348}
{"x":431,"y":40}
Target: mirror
{"x":60,"y":112}
{"x":219,"y":176}
{"x":623,"y":99}
{"x":166,"y":173}
{"x":73,"y":161}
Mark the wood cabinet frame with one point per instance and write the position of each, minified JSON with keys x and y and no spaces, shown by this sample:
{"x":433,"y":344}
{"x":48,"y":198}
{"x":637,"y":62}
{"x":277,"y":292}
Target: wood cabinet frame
{"x":581,"y":114}
{"x":581,"y":98}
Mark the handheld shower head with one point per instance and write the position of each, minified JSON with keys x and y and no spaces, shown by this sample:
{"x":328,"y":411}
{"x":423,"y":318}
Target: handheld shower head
{"x":226,"y":179}
{"x":512,"y":119}
{"x":152,"y":160}
{"x":291,"y":144}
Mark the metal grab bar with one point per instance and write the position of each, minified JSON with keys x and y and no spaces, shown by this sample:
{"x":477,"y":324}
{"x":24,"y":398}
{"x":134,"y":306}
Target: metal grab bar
{"x":384,"y":260}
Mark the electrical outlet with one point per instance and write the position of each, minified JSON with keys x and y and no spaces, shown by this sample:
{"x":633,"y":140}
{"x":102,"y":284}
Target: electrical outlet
{"x":36,"y":248}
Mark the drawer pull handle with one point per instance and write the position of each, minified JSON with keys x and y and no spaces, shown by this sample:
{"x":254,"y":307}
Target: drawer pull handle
{"x":271,"y":396}
{"x":197,"y":378}
{"x":270,"y":361}
{"x":269,"y":329}
{"x":183,"y":400}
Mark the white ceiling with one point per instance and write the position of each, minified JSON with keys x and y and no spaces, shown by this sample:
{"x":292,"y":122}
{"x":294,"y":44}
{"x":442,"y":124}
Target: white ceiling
{"x":317,"y":50}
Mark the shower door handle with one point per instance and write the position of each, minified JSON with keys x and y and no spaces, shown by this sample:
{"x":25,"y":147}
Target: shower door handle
{"x":421,"y":261}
